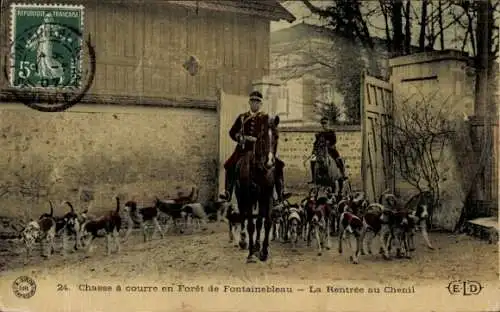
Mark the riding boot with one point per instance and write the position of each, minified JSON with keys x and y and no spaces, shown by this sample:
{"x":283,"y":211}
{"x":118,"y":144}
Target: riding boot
{"x":340,"y":165}
{"x":341,"y":187}
{"x":313,"y":163}
{"x":227,"y":195}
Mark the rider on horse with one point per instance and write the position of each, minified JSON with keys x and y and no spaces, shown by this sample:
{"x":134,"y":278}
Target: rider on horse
{"x":331,"y":139}
{"x":248,"y":124}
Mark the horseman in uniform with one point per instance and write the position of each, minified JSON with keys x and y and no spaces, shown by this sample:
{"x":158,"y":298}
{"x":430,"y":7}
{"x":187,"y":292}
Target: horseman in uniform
{"x":248,"y":124}
{"x":330,"y":139}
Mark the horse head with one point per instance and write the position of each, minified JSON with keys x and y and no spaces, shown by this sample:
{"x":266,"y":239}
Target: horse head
{"x":267,"y":145}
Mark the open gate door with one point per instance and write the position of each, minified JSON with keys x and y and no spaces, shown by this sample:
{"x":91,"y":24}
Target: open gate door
{"x":230,"y":106}
{"x":377,"y":166}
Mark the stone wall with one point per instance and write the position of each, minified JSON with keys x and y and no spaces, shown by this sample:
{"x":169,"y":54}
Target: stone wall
{"x":295,"y":147}
{"x":135,"y":152}
{"x":440,"y":85}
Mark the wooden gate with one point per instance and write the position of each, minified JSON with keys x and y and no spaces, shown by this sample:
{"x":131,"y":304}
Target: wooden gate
{"x":228,"y":109}
{"x":377,"y":167}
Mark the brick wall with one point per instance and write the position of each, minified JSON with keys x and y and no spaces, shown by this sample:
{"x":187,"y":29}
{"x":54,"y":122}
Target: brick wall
{"x":136,"y":152}
{"x":295,"y":147}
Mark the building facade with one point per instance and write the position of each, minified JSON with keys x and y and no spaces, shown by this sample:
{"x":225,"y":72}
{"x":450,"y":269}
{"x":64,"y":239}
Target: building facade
{"x":326,"y":66}
{"x":146,"y":126}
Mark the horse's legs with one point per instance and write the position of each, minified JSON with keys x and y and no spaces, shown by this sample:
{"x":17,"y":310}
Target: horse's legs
{"x":250,"y":230}
{"x":265,"y":212}
{"x":231,"y":235}
{"x":243,"y":236}
{"x":258,"y":222}
{"x":242,"y":215}
{"x":274,"y":230}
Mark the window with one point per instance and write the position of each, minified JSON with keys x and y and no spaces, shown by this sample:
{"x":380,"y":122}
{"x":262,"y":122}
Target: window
{"x":282,"y":101}
{"x":326,"y":93}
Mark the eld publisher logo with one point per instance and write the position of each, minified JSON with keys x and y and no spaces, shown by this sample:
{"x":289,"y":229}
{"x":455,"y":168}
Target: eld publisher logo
{"x":464,"y":288}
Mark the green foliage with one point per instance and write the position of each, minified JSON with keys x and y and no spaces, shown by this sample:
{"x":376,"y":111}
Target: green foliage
{"x":328,"y":110}
{"x":347,"y":69}
{"x":346,"y":19}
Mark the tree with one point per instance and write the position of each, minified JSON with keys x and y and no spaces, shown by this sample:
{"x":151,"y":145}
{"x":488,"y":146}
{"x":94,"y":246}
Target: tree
{"x":332,"y":60}
{"x":357,"y":20}
{"x":420,"y":133}
{"x":353,"y":21}
{"x":329,"y":110}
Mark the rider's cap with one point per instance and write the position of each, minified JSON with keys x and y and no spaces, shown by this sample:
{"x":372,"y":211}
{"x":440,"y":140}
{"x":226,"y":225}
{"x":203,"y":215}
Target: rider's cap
{"x":256,"y":95}
{"x":324,"y":120}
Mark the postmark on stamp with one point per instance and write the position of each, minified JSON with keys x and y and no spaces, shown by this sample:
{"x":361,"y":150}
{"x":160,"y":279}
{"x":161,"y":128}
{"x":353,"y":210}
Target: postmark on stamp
{"x":47,"y":55}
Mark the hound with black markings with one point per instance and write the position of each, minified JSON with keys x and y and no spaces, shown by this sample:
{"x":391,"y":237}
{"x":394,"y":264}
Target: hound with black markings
{"x":402,"y":226}
{"x":195,"y":212}
{"x":110,"y":223}
{"x":277,"y":213}
{"x":43,"y":231}
{"x":141,"y":216}
{"x":319,"y":225}
{"x":307,"y":205}
{"x":171,"y":208}
{"x":294,"y":223}
{"x":419,"y":208}
{"x":376,"y":218}
{"x":70,"y":226}
{"x":233,"y":216}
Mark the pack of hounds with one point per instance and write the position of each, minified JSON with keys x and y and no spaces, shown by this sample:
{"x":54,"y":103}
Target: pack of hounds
{"x":323,"y":214}
{"x":83,"y":228}
{"x":320,"y":215}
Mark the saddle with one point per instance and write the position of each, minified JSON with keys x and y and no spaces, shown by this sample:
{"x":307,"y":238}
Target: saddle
{"x":253,"y":185}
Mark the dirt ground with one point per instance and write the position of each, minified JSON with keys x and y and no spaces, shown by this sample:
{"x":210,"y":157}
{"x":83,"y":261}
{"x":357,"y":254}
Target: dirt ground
{"x":199,"y":254}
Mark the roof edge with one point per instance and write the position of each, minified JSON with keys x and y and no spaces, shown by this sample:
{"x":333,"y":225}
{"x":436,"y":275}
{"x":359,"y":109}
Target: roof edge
{"x":281,"y":14}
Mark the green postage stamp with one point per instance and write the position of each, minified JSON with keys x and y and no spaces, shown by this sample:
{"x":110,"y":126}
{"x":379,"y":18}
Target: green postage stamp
{"x":47,"y":45}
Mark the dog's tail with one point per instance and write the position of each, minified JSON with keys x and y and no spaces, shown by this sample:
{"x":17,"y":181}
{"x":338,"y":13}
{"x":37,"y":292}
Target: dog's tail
{"x":117,"y":204}
{"x":381,"y":197}
{"x":196,"y":194}
{"x":70,"y":206}
{"x":157,"y":202}
{"x":51,"y":208}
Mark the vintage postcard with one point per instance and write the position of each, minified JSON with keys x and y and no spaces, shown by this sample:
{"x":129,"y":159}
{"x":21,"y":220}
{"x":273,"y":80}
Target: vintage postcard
{"x":249,"y":155}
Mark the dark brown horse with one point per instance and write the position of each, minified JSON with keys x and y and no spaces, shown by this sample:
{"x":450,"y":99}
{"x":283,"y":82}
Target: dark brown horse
{"x":255,"y":180}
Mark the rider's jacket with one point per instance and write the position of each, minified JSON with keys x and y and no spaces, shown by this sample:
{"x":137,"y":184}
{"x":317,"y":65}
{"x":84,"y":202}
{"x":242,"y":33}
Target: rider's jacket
{"x":329,"y":135}
{"x":247,"y":124}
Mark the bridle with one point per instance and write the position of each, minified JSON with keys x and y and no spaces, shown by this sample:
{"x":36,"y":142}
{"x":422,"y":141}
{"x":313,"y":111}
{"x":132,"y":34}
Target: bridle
{"x":266,"y":162}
